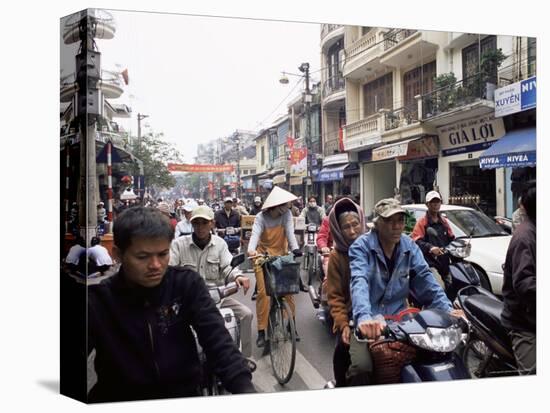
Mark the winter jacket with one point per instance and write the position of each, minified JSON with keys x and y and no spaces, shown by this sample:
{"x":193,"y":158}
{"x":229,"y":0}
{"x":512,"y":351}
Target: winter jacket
{"x":376,"y":292}
{"x":426,"y":241}
{"x":223,"y":221}
{"x":144,"y":344}
{"x":324,"y":237}
{"x":519,"y":289}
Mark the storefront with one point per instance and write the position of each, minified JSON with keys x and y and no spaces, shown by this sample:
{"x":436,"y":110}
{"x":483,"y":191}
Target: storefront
{"x":516,"y":153}
{"x":460,"y":179}
{"x":338,"y":176}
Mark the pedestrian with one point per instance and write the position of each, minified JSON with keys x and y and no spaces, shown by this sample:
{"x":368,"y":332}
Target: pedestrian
{"x":328,"y":203}
{"x":347,"y":223}
{"x":98,"y":256}
{"x":313,"y":213}
{"x":101,"y":213}
{"x":519,"y":289}
{"x":518,"y":216}
{"x":432,"y":244}
{"x":184,"y":227}
{"x":140,"y":319}
{"x":165,"y":209}
{"x":257,"y":207}
{"x":209,"y":255}
{"x":386,"y":266}
{"x":76,"y":258}
{"x":272,"y":233}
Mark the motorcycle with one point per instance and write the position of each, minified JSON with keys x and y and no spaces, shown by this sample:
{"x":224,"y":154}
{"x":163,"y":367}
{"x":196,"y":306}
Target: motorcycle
{"x":430,"y":338}
{"x":461,"y":272}
{"x":211,"y":385}
{"x":232,"y":237}
{"x":488,"y":351}
{"x":312,"y":270}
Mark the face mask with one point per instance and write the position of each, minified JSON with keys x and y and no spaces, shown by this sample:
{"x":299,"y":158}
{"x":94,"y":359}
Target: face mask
{"x":312,"y":204}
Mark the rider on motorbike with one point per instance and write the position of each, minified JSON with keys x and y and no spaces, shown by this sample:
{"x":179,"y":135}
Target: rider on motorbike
{"x":386,"y":266}
{"x":225,"y":218}
{"x":209,"y":255}
{"x":347,"y":223}
{"x":432,"y":245}
{"x":313,"y":213}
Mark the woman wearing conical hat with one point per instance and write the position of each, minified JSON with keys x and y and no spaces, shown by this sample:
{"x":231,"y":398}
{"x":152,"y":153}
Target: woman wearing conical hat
{"x":272,"y":233}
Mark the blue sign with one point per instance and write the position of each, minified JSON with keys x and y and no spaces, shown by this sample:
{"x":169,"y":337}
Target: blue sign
{"x":529,"y":93}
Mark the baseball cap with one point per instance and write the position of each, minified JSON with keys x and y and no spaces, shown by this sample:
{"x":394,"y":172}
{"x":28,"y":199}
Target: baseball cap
{"x":204,"y":212}
{"x":432,"y":195}
{"x":190,"y":206}
{"x":227,"y":199}
{"x":257,"y":199}
{"x":385,"y":208}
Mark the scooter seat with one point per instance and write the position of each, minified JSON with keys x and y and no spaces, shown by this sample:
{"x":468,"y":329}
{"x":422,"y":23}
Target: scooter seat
{"x":486,"y":312}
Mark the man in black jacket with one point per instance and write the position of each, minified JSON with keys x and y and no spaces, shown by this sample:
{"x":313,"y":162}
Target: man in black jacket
{"x":519,"y":289}
{"x":139,"y":321}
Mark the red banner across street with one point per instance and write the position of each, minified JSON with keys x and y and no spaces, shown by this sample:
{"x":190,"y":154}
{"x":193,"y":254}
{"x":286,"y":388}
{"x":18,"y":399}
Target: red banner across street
{"x":172,"y":167}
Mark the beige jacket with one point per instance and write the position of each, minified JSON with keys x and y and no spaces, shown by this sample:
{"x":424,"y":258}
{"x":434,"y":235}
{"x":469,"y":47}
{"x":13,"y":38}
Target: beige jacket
{"x":212,"y":262}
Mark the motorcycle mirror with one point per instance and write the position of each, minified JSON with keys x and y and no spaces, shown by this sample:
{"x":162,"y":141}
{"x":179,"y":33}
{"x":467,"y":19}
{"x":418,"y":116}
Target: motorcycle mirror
{"x":237,"y":260}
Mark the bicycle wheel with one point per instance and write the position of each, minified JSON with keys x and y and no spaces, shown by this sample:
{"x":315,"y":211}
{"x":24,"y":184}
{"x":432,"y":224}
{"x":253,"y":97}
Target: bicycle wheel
{"x":282,"y":341}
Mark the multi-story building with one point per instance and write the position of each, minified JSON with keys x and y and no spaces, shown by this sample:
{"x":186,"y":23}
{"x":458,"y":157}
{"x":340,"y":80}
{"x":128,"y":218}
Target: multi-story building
{"x":420,"y":111}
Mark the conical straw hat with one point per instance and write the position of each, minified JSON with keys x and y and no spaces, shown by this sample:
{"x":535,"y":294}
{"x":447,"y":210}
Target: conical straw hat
{"x":278,"y":196}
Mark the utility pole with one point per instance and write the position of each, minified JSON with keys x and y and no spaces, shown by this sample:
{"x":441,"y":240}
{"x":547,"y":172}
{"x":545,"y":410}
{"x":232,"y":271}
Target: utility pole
{"x":88,"y":75}
{"x":304,"y":68}
{"x":237,"y":189}
{"x":140,"y":117}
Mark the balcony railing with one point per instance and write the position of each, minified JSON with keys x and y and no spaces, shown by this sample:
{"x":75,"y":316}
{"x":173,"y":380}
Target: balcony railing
{"x":327,"y":28}
{"x":364,"y":126}
{"x":331,"y":145}
{"x":333,"y":84}
{"x":461,"y":93}
{"x":404,"y":116}
{"x":396,"y":36}
{"x":517,"y":72}
{"x":364,"y":43}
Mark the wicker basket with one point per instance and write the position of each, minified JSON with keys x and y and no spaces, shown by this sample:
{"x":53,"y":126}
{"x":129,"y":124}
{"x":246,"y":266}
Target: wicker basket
{"x":389,"y":357}
{"x":282,"y":282}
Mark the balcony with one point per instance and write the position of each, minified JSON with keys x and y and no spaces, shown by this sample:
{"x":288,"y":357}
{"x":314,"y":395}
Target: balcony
{"x":363,"y":56}
{"x":68,"y":88}
{"x":111,"y":84}
{"x":401,"y":117}
{"x":403,"y":47}
{"x":334,"y":89}
{"x":364,"y":133}
{"x":104,"y":25}
{"x":464,"y":99}
{"x":331,"y":144}
{"x":120,"y":140}
{"x":330,"y":33}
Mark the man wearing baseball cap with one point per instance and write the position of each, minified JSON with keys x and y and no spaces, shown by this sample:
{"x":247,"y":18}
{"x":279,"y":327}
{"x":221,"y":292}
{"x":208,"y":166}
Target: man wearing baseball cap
{"x":257,"y":207}
{"x":431,"y":244}
{"x":386,"y":266}
{"x":209,"y":255}
{"x":184,"y":227}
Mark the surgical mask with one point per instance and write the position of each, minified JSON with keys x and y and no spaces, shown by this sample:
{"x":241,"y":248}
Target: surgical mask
{"x":312,"y":204}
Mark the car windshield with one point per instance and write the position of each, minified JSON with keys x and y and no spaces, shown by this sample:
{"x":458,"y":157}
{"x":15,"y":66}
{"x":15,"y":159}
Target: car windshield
{"x":464,"y":221}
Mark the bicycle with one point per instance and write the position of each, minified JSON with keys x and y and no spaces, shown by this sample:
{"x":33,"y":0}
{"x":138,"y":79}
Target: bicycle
{"x":281,"y":279}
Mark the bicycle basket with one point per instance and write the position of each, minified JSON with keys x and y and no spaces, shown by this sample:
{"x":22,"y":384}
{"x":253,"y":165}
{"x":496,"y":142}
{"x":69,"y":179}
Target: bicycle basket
{"x":389,"y":357}
{"x":284,"y":281}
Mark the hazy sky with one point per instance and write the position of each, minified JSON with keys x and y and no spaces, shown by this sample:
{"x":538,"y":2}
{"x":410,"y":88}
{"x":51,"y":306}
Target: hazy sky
{"x":200,"y":78}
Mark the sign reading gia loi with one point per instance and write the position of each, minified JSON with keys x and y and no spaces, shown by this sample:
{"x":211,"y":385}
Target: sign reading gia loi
{"x":470,"y":135}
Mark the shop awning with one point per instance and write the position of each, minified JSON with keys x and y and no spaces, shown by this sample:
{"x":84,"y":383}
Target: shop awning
{"x":515,"y":149}
{"x":332,"y":173}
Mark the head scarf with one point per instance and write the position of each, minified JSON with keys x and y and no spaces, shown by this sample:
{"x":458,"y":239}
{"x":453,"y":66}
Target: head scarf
{"x":341,"y":244}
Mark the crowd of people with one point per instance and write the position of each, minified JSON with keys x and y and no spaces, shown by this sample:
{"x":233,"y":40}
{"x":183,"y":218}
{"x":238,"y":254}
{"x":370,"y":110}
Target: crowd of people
{"x":169,"y":249}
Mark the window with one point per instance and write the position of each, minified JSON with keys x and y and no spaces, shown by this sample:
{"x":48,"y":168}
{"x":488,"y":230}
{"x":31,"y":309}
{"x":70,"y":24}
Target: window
{"x":419,"y":81}
{"x":378,"y":94}
{"x":262,"y":155}
{"x":531,"y":56}
{"x":472,"y":54}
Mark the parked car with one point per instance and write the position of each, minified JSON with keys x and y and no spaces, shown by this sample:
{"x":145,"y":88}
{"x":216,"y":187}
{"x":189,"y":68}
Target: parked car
{"x":489,"y":240}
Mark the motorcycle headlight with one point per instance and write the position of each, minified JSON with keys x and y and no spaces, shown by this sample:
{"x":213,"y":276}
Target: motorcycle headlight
{"x":441,"y":340}
{"x":462,"y":251}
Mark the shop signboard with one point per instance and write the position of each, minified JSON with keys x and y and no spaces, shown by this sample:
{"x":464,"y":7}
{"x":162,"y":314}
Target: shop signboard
{"x":296,"y":180}
{"x":298,"y":162}
{"x":516,"y":97}
{"x":470,"y":135}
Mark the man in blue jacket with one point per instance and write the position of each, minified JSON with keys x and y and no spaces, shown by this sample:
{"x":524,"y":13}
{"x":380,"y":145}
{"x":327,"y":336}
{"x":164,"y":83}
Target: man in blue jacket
{"x":386,"y":266}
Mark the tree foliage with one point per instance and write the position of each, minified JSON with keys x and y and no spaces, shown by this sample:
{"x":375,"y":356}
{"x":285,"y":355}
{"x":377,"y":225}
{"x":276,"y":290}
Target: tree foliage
{"x":155,"y":153}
